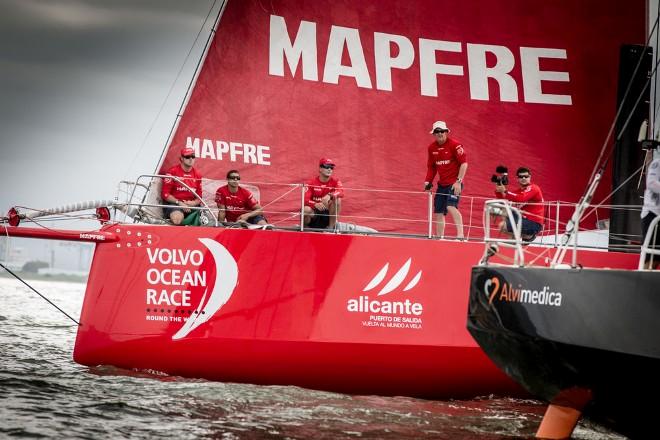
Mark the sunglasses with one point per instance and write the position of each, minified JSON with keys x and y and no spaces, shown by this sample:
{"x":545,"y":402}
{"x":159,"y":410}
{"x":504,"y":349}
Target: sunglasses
{"x":234,"y":177}
{"x":328,"y":167}
{"x":440,"y":131}
{"x":189,"y":157}
{"x":524,"y":177}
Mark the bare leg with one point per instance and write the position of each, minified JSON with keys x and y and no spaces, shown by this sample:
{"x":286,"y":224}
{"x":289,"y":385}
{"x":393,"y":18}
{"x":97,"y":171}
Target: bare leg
{"x":176,"y":217}
{"x":440,"y":225}
{"x":308,"y":215}
{"x":333,"y":211}
{"x":458,"y":220}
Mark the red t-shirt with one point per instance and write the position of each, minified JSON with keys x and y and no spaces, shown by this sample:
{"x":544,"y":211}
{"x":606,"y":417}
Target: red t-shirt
{"x":445,"y":160}
{"x":236,"y":204}
{"x":191,"y":178}
{"x":523,"y":197}
{"x":316,"y":190}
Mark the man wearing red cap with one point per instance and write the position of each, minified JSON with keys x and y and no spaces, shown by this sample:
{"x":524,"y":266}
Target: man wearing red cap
{"x":176,"y":194}
{"x":323,"y":198}
{"x":447,"y":158}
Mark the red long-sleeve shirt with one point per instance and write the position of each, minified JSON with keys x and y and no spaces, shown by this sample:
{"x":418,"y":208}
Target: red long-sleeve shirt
{"x":445,"y":160}
{"x":171,"y":187}
{"x":316,"y":190}
{"x":529,"y":200}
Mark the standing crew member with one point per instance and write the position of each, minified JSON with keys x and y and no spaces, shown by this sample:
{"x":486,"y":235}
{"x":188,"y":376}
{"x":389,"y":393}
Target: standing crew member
{"x":447,"y":158}
{"x":177,"y":195}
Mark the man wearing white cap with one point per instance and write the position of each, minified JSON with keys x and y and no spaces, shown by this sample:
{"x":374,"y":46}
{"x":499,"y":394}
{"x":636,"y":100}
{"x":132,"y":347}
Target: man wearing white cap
{"x":447,"y":158}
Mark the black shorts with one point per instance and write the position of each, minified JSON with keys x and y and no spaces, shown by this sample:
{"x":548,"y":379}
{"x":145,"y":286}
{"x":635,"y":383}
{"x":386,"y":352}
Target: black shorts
{"x":444,"y":196}
{"x":527,"y":227}
{"x":174,"y":208}
{"x":256,"y":219}
{"x":321,"y":219}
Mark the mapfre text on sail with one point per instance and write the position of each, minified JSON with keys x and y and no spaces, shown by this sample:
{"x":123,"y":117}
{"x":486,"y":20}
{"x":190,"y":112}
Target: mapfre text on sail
{"x":300,"y":55}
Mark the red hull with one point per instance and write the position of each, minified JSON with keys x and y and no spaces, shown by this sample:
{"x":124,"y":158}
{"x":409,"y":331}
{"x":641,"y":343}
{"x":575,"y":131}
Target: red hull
{"x":282,"y":307}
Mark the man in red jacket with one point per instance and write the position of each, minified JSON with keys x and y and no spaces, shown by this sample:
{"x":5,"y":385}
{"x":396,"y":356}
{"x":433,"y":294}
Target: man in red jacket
{"x":323,"y":198}
{"x":175,"y":194}
{"x":529,"y":199}
{"x":447,"y":158}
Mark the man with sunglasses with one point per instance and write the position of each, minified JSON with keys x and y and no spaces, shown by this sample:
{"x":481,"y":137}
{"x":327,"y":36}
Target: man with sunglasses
{"x":447,"y":159}
{"x":175,"y":194}
{"x":323,"y":198}
{"x":529,"y":200}
{"x":237,"y":204}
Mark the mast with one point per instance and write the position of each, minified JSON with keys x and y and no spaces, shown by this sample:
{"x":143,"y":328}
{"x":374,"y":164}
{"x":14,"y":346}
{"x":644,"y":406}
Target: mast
{"x":653,"y":14}
{"x":193,"y":82}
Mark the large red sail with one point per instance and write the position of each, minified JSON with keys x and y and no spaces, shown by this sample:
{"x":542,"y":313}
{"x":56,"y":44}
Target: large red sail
{"x":520,"y":83}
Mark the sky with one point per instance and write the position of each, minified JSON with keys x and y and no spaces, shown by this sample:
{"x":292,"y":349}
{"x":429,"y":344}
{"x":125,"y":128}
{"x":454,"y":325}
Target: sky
{"x":89,"y":90}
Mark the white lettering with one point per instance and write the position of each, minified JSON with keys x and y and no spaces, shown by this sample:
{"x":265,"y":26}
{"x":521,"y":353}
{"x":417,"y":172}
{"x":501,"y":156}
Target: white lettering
{"x":349,"y":37}
{"x":479,"y":72}
{"x":384,"y":61}
{"x":303,"y":50}
{"x":179,"y":298}
{"x":304,"y":47}
{"x":177,"y":257}
{"x":219,"y":150}
{"x":533,"y":75}
{"x":223,"y":148}
{"x":429,"y":68}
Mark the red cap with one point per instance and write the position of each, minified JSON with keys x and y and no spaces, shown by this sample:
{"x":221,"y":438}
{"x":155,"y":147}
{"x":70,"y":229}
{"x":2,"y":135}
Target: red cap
{"x":326,"y":161}
{"x":187,"y":151}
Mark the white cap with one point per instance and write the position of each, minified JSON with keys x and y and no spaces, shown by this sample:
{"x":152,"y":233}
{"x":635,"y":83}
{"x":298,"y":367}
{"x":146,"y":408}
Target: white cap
{"x":439,"y":125}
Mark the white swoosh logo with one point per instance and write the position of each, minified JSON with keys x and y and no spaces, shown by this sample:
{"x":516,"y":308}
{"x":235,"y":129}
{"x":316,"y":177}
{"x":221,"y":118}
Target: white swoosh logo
{"x":395,"y":281}
{"x":225,"y":282}
{"x":487,"y":286}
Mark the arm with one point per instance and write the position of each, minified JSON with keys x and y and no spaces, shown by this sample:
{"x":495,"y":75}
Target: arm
{"x":430,"y":170}
{"x":308,"y":196}
{"x":524,"y":196}
{"x":461,"y":175}
{"x":256,"y":210}
{"x":653,"y":177}
{"x":338,"y":192}
{"x":221,"y":212}
{"x":166,"y":190}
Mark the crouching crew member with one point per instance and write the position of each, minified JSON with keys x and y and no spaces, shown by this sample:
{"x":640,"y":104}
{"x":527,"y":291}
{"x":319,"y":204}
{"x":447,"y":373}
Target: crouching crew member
{"x":323,"y":198}
{"x":237,"y":204}
{"x":178,"y":196}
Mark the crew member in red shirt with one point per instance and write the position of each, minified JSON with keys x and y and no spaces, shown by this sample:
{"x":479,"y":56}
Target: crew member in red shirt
{"x":176,"y":194}
{"x":237,"y":204}
{"x":447,"y":158}
{"x":323,"y":198}
{"x":529,"y":199}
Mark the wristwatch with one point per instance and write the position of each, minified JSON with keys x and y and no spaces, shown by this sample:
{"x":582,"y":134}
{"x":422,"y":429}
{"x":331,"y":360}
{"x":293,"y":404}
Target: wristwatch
{"x":459,"y":180}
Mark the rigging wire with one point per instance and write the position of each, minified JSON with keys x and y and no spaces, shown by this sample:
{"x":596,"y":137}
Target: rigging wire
{"x":35,"y":291}
{"x":192,"y":81}
{"x":171,"y":89}
{"x":599,"y":163}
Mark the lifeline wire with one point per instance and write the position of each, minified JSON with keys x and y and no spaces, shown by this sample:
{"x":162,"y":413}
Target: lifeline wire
{"x":35,"y":291}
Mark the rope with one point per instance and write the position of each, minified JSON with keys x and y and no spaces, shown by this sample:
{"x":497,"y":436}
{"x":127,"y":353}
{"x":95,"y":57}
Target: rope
{"x":35,"y":291}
